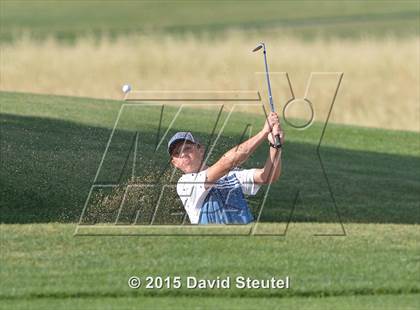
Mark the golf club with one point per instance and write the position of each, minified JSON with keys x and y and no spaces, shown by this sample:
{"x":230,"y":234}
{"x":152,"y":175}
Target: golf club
{"x":277,"y":141}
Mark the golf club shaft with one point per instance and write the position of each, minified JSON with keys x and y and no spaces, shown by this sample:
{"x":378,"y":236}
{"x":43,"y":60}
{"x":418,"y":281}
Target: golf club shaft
{"x":277,"y":141}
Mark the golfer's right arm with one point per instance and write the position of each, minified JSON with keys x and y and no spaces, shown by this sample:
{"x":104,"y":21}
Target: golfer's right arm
{"x":239,"y":154}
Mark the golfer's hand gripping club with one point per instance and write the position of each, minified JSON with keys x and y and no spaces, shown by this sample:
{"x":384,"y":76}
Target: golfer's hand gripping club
{"x":273,"y":130}
{"x":274,"y":137}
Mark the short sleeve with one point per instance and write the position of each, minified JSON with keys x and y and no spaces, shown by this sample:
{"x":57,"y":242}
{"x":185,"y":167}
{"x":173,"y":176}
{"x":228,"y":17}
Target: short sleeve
{"x":191,"y":190}
{"x":246,"y":178}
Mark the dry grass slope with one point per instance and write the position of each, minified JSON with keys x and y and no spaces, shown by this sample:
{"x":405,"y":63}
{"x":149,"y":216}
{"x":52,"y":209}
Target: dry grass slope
{"x":380,"y":86}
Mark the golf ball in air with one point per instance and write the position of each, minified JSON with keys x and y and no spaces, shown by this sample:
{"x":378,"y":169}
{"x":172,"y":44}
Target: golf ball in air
{"x":126,"y":88}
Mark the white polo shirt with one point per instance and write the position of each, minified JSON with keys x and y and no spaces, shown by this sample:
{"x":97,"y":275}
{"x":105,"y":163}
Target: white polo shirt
{"x":191,"y":190}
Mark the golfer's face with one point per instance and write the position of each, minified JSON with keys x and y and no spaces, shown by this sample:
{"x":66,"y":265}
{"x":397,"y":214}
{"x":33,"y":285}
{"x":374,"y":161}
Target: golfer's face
{"x":187,"y":157}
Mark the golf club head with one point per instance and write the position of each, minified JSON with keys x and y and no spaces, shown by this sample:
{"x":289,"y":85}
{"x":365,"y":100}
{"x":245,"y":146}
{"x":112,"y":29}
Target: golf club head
{"x":258,"y":47}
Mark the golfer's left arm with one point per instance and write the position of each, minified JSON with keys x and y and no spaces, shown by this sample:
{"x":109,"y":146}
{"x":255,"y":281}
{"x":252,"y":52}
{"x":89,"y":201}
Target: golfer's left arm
{"x":271,"y":171}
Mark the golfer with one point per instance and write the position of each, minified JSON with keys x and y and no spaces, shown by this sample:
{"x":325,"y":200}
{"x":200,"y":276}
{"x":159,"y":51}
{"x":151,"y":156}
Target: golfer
{"x":215,"y":194}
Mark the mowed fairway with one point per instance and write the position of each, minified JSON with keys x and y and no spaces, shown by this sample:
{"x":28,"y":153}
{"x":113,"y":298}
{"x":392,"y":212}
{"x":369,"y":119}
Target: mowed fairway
{"x":45,"y":266}
{"x":51,"y":148}
{"x":68,"y":21}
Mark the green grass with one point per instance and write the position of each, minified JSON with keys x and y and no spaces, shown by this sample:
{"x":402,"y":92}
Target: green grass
{"x":69,"y":20}
{"x":376,"y":264}
{"x":342,"y":302}
{"x":51,"y":147}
